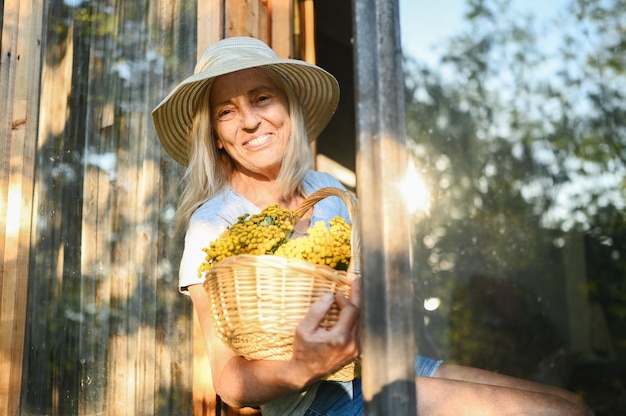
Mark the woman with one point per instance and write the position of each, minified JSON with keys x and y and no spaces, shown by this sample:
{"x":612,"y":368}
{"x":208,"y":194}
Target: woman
{"x":242,"y":125}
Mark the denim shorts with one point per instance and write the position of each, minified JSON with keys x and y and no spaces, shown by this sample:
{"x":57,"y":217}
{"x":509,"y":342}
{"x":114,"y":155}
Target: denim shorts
{"x":346,"y":399}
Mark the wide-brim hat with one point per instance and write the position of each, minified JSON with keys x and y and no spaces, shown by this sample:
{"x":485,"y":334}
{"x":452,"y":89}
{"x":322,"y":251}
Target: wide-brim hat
{"x":316,"y":89}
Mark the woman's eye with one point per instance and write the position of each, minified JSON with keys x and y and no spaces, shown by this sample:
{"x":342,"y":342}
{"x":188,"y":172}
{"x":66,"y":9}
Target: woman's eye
{"x":225,"y":113}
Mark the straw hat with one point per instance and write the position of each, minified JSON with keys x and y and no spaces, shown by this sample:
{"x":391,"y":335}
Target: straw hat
{"x":317,"y":90}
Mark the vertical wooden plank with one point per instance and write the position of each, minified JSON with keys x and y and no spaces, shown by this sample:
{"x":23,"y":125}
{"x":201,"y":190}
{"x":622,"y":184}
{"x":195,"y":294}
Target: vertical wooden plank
{"x":173,"y":363}
{"x":307,"y":19}
{"x":387,"y":312}
{"x":107,"y":133}
{"x":249,"y":18}
{"x":95,"y":290}
{"x":134,"y":285}
{"x":204,"y":398}
{"x":48,"y":390}
{"x":237,"y":20}
{"x":282,"y":24}
{"x":19,"y":93}
{"x":210,"y":24}
{"x":263,"y":16}
{"x":210,"y":29}
{"x":97,"y":221}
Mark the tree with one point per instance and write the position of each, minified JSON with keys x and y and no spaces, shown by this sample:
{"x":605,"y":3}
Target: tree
{"x":519,"y":132}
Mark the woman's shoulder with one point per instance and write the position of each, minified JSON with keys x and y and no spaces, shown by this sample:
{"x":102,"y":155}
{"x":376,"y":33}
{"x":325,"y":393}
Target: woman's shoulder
{"x":315,"y":180}
{"x":328,"y":207}
{"x":224,"y":208}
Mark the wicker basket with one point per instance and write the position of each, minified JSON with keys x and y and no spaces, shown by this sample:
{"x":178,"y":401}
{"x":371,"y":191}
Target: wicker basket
{"x":257,"y":301}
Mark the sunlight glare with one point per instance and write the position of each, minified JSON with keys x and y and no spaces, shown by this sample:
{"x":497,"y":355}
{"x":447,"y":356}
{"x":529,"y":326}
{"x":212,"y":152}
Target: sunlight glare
{"x":431,"y":304}
{"x":416,"y":194}
{"x":14,"y":205}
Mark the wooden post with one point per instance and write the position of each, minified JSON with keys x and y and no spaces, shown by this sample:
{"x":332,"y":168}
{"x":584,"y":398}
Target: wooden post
{"x":210,"y":29}
{"x":388,"y":311}
{"x":282,"y":22}
{"x":210,"y":23}
{"x":307,"y":22}
{"x":19,"y":94}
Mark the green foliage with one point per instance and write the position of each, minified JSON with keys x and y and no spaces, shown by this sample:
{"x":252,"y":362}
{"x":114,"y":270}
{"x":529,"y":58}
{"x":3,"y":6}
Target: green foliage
{"x":520,"y":133}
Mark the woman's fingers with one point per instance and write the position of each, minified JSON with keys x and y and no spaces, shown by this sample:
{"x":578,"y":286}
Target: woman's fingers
{"x":346,"y":329}
{"x":311,"y":321}
{"x":317,"y":350}
{"x":349,"y":309}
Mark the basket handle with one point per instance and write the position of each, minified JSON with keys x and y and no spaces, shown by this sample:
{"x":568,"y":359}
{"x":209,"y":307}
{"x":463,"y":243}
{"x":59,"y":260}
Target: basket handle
{"x":348,"y":198}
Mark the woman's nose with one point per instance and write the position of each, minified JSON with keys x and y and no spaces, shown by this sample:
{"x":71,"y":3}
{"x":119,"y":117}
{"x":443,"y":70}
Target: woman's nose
{"x":250,"y":118}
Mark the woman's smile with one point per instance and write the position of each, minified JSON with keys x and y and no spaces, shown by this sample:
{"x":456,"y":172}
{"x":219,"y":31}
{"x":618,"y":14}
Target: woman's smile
{"x":259,"y":141}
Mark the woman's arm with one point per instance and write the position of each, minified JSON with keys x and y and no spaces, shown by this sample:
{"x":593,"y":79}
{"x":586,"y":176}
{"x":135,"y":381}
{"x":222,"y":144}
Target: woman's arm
{"x":317,"y":351}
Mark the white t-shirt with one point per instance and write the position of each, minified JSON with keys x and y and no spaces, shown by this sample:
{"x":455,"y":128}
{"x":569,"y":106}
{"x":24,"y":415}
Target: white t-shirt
{"x":214,"y":216}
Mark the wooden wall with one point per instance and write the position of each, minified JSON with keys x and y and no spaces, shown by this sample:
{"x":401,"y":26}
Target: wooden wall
{"x":90,"y":317}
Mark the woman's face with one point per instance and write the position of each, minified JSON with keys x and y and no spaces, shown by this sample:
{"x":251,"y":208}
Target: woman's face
{"x":250,"y":116}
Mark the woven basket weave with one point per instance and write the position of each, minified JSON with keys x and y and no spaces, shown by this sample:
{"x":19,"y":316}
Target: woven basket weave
{"x":257,"y":301}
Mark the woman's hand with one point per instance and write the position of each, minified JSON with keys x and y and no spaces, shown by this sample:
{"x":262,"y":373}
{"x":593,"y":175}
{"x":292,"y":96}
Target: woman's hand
{"x":318,"y":351}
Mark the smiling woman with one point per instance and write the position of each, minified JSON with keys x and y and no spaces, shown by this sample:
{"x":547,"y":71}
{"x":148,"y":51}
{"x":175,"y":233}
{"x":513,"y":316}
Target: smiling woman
{"x":250,"y":132}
